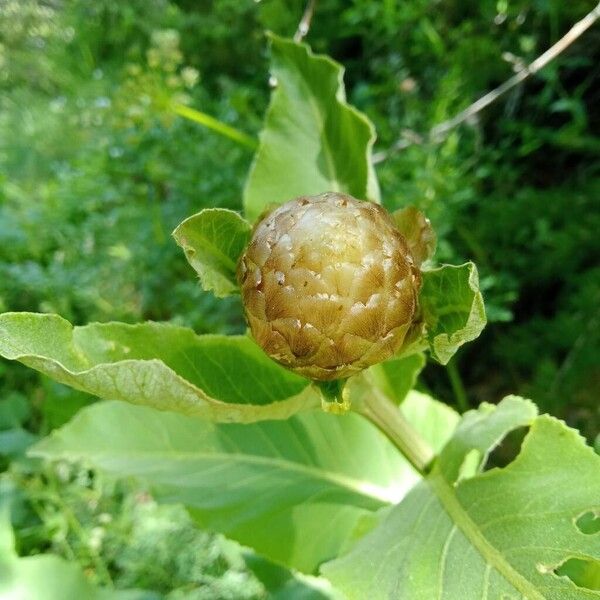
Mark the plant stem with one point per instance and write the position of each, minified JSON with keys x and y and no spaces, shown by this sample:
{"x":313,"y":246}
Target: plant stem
{"x":440,"y":132}
{"x":389,"y":419}
{"x":460,"y":395}
{"x":304,"y":25}
{"x":222,"y":128}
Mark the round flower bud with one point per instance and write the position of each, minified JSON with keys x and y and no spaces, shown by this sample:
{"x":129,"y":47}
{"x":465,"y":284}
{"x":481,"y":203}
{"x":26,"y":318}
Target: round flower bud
{"x":329,"y":285}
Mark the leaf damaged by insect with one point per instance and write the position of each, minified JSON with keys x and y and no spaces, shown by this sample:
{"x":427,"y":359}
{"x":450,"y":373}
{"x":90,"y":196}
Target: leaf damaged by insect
{"x":486,"y":547}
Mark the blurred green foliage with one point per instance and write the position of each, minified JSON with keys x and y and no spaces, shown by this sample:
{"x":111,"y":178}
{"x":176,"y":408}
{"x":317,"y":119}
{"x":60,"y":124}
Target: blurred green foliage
{"x":95,"y":172}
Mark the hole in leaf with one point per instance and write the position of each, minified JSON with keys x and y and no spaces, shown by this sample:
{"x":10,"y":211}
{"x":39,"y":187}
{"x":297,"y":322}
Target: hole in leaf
{"x":469,"y":466}
{"x":589,"y":522}
{"x":507,"y":450}
{"x":583,"y":572}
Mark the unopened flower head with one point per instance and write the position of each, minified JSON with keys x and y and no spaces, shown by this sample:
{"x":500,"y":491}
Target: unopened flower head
{"x":329,"y":285}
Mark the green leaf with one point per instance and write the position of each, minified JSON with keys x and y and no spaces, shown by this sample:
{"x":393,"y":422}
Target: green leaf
{"x":61,"y":403}
{"x":434,"y":421}
{"x":225,"y":378}
{"x":396,"y":376}
{"x":479,"y":432}
{"x":297,"y":491}
{"x":496,"y":534}
{"x":213,"y":240}
{"x":453,"y":309}
{"x":313,"y":141}
{"x":282,"y":584}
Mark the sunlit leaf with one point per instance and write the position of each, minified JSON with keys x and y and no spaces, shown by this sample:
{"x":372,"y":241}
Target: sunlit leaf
{"x":479,"y":432}
{"x":213,"y":240}
{"x":452,"y":307}
{"x":396,"y":376}
{"x":313,"y":141}
{"x":225,"y":378}
{"x":297,"y":491}
{"x":497,"y":534}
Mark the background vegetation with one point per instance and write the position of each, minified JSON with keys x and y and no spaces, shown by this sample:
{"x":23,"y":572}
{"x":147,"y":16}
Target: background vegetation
{"x":96,"y":170}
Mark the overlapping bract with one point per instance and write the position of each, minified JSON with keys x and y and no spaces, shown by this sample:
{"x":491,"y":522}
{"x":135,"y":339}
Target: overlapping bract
{"x":329,"y":285}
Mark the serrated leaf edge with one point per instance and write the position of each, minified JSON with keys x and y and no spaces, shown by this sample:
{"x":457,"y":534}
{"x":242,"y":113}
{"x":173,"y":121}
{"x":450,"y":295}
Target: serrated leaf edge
{"x":448,"y":498}
{"x":463,"y":335}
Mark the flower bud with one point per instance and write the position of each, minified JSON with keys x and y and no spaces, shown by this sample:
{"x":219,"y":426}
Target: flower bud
{"x":329,"y":285}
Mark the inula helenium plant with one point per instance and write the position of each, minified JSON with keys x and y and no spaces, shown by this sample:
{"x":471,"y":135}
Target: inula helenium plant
{"x":396,"y":499}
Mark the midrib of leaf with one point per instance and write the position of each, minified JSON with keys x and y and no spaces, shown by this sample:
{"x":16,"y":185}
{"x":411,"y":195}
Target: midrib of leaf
{"x":325,"y":144}
{"x":361,"y":488}
{"x":472,"y":532}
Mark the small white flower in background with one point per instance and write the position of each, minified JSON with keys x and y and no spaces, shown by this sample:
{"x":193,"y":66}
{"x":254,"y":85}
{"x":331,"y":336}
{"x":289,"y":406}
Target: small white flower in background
{"x":105,"y":518}
{"x":189,"y":76}
{"x":96,"y":537}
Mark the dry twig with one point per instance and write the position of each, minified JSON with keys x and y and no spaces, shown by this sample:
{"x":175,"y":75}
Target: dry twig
{"x":304,"y":25}
{"x":441,"y":131}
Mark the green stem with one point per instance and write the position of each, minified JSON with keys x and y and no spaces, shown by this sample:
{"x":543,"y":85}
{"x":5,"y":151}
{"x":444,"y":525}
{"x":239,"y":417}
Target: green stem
{"x":460,"y":394}
{"x":207,"y":121}
{"x":38,"y":508}
{"x":389,"y":419}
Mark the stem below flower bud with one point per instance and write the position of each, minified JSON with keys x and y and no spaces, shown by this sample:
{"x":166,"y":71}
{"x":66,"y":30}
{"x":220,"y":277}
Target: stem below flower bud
{"x":390,"y":420}
{"x":334,"y":396}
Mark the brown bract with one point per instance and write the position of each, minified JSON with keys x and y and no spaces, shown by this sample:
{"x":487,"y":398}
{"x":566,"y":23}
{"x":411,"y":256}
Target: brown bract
{"x":329,"y":285}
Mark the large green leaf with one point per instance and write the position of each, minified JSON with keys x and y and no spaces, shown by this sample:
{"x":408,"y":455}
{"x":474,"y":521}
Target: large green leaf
{"x":225,"y":378}
{"x":295,"y":490}
{"x":213,"y":240}
{"x":452,"y":307}
{"x":313,"y":141}
{"x":499,"y":534}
